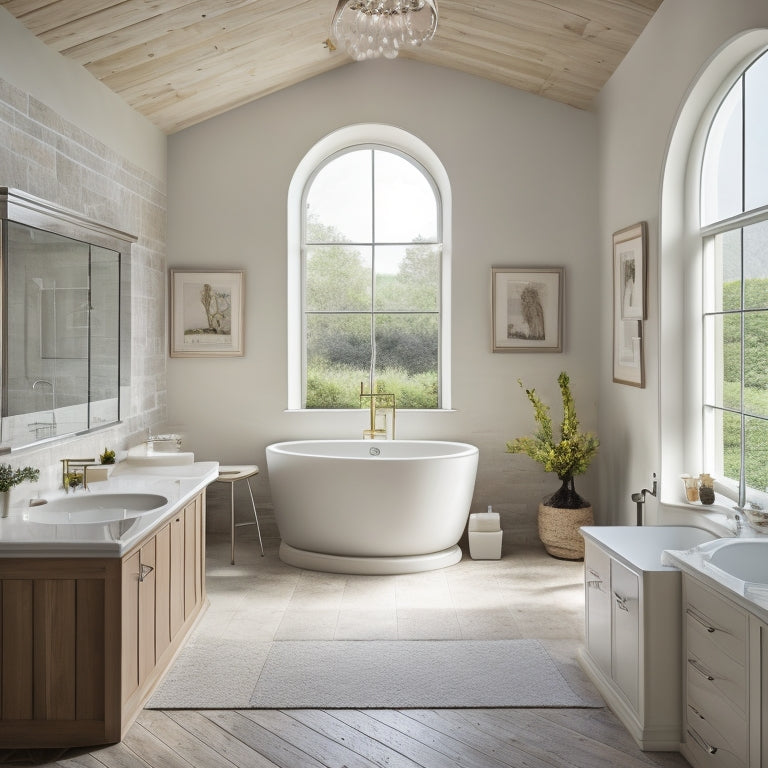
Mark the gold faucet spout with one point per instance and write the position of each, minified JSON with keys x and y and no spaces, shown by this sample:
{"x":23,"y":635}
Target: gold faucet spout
{"x":74,"y":472}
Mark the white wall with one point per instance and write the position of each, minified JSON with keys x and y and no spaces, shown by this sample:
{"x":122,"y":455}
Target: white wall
{"x":65,"y":138}
{"x":523,"y":176}
{"x":74,"y":94}
{"x":638,"y":110}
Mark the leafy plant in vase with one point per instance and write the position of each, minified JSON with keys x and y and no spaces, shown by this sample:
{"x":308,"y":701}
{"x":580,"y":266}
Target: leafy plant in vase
{"x":9,"y":478}
{"x":560,"y":515}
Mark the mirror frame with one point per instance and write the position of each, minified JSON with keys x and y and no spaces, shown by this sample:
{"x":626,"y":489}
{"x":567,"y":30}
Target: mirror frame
{"x":23,"y":208}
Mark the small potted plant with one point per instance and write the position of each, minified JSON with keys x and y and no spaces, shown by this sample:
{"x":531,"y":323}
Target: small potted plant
{"x":103,"y":470}
{"x":560,"y":515}
{"x":9,"y":478}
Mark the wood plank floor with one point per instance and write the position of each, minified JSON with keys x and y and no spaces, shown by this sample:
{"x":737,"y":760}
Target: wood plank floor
{"x":438,"y":738}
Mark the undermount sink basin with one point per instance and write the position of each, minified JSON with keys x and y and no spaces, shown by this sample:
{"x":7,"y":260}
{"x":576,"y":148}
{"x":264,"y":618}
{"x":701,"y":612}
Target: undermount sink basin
{"x":95,"y":508}
{"x":743,"y":559}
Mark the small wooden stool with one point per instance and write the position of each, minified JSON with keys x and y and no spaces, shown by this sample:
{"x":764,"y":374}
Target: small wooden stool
{"x":231,"y":474}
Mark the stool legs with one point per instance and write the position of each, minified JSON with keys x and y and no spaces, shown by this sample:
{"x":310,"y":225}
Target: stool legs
{"x":232,"y":517}
{"x":255,"y":516}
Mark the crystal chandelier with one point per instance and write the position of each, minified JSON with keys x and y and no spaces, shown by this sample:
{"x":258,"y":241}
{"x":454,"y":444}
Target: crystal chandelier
{"x":368,"y":29}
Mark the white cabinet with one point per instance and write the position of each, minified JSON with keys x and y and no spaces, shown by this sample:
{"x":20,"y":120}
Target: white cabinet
{"x":597,"y":598}
{"x":625,"y":634}
{"x":633,"y":629}
{"x":758,"y":660}
{"x":716,"y":679}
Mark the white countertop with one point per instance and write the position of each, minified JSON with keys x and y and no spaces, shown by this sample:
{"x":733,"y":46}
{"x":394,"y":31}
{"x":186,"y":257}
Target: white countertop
{"x":694,"y":561}
{"x":179,"y":484}
{"x":640,"y":547}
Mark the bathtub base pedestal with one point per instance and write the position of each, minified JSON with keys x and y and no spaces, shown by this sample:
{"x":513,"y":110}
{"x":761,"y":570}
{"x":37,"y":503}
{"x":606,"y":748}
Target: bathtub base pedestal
{"x":369,"y":566}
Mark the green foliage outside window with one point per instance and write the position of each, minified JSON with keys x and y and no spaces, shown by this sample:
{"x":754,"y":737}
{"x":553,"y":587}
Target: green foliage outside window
{"x":755,"y":382}
{"x":338,"y":289}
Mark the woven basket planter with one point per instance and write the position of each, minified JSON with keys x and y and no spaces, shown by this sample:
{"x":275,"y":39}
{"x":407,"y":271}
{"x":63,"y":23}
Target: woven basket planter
{"x":559,"y":530}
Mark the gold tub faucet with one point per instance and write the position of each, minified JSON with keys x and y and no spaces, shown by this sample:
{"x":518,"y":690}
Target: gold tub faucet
{"x":376,"y":432}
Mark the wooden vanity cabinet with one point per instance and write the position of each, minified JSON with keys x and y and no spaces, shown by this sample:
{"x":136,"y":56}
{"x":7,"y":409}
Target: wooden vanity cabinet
{"x":83,"y":641}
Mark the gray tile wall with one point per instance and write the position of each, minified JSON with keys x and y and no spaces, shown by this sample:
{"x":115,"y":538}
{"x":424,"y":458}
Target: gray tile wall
{"x":45,"y":155}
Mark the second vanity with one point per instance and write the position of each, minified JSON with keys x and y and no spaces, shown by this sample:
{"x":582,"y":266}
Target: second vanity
{"x":93,"y":611}
{"x":633,"y":626}
{"x":725,"y":641}
{"x":677,"y":639}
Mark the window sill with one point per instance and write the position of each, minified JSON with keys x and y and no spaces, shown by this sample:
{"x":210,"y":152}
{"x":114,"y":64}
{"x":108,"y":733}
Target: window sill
{"x":365,"y":410}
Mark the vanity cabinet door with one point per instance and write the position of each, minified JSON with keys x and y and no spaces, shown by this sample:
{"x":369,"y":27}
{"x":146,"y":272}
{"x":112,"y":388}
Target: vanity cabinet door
{"x":138,"y":658}
{"x":625,"y":652}
{"x":176,"y":595}
{"x":758,"y":666}
{"x":162,"y":590}
{"x":191,"y":556}
{"x":597,"y":596}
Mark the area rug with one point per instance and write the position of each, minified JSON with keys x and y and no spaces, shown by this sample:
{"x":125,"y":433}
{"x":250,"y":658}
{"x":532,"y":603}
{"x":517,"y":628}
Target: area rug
{"x":364,"y":674}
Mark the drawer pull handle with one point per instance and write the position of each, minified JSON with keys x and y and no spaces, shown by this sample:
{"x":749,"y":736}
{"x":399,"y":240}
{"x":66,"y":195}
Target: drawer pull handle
{"x":695,"y":616}
{"x":621,"y":602}
{"x":144,"y":571}
{"x":593,"y":572}
{"x":700,"y":669}
{"x":696,"y":712}
{"x":703,"y":744}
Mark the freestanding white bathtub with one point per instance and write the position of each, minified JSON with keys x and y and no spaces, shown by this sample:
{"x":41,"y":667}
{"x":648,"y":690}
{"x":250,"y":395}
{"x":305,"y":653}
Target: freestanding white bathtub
{"x":371,"y":506}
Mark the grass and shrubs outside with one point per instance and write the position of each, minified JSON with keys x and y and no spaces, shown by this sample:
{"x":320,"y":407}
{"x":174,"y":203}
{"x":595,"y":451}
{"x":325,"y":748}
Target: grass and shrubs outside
{"x":755,"y":382}
{"x":338,"y":386}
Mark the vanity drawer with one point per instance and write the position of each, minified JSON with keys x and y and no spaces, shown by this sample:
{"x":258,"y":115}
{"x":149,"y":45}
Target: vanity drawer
{"x":718,"y":724}
{"x":708,"y":670}
{"x":712,"y":619}
{"x":704,"y":753}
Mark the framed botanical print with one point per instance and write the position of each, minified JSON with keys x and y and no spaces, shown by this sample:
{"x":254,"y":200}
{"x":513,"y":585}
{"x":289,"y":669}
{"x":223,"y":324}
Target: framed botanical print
{"x":206,"y":309}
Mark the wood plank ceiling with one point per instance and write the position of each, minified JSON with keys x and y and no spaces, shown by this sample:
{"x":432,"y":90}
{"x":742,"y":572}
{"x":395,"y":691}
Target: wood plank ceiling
{"x":179,"y":62}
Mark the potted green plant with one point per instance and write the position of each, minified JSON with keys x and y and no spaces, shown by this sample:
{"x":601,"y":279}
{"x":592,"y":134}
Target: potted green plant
{"x":9,"y":478}
{"x":560,"y":515}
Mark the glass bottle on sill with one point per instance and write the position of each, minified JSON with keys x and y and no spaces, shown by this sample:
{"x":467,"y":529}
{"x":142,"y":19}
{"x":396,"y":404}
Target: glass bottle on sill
{"x":706,"y":489}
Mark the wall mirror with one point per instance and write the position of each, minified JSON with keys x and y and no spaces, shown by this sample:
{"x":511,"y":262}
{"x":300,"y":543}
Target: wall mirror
{"x":65,"y":321}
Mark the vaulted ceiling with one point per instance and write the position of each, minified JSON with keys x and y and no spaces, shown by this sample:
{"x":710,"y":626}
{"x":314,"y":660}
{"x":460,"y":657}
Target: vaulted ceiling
{"x":179,"y":62}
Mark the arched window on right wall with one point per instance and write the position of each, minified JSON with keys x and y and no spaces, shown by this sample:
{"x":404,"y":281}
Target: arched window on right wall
{"x":734,"y":271}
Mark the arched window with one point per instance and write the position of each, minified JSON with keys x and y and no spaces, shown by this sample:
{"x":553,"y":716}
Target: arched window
{"x":734,"y":242}
{"x":369,"y":272}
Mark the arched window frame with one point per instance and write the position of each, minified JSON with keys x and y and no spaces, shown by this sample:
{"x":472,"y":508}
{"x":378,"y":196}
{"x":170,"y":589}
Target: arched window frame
{"x":680,"y":277}
{"x":397,"y":140}
{"x":717,"y":405}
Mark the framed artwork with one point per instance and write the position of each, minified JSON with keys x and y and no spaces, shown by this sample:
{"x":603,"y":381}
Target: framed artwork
{"x":629,"y":254}
{"x":527,"y":309}
{"x":629,"y":304}
{"x":206,"y":310}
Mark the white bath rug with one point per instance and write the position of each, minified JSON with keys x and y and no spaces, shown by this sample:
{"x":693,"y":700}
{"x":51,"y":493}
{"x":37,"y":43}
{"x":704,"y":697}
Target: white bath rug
{"x":360,"y":674}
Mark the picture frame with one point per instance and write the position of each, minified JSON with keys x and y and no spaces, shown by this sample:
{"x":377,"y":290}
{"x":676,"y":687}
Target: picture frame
{"x":629,"y":254}
{"x":629,"y":303}
{"x":527,"y":309}
{"x":206,"y":312}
